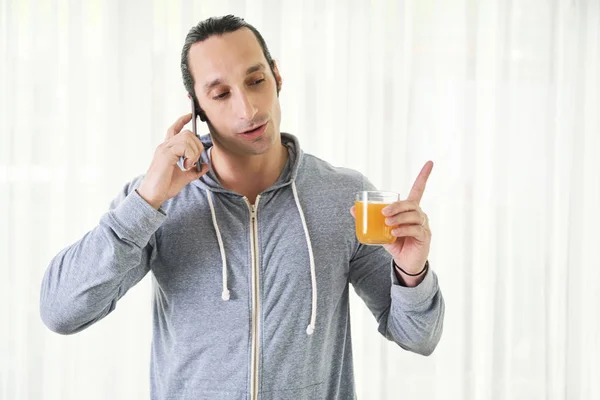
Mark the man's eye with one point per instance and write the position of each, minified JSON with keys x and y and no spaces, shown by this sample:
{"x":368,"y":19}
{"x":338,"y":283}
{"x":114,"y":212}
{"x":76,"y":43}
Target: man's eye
{"x":258,"y":81}
{"x":221,"y":96}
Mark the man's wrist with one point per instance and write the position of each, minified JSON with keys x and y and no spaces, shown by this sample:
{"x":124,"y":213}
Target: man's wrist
{"x":410,"y":280}
{"x":423,"y":270}
{"x":156,"y":205}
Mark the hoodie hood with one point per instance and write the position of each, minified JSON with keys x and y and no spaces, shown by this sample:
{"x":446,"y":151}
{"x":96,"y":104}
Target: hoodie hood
{"x":209,"y":181}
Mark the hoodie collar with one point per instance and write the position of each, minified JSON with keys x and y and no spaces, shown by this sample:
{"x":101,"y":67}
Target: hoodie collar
{"x":209,"y":181}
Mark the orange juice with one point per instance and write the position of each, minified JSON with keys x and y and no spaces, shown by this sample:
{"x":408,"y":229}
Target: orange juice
{"x":370,"y":223}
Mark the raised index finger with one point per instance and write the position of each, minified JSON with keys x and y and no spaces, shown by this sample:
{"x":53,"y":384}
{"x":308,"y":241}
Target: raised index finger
{"x":416,"y":193}
{"x":178,"y":125}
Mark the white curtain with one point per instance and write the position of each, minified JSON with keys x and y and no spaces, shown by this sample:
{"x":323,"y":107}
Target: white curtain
{"x":503,"y":95}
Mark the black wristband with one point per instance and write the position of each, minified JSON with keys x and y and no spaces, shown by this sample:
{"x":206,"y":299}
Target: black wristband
{"x":418,"y":273}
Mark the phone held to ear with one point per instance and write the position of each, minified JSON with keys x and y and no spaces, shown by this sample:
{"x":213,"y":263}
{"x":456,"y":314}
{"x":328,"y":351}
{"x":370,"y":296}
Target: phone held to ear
{"x":194,"y":129}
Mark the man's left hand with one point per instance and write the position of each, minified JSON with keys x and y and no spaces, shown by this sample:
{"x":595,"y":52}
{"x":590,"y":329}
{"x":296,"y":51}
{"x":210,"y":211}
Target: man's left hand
{"x":411,"y":227}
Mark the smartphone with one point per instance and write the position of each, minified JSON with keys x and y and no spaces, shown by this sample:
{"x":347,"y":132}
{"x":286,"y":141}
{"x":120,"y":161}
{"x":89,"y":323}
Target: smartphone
{"x":194,"y":129}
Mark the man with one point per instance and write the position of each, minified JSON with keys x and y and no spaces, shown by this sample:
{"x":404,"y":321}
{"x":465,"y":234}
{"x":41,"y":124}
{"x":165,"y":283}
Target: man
{"x":252,"y":256}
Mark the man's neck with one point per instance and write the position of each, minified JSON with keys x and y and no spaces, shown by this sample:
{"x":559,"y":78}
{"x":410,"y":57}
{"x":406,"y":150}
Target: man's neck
{"x":251,"y":175}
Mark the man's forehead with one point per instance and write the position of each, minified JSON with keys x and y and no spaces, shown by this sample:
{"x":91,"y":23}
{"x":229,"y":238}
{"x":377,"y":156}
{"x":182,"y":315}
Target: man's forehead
{"x":222,"y":55}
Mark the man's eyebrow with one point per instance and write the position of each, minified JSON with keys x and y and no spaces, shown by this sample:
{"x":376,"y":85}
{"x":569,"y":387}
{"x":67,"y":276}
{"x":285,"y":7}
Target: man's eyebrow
{"x":254,"y":68}
{"x":217,"y":82}
{"x":212,"y":84}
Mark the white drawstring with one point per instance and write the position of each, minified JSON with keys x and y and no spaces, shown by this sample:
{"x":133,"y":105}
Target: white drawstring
{"x":225,"y":294}
{"x":313,"y":317}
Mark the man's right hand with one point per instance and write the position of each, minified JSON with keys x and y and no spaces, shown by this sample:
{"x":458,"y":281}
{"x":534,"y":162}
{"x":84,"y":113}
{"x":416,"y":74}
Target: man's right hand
{"x":164,"y":178}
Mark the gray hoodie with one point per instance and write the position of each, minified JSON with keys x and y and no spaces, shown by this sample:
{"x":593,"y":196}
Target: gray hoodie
{"x":249,"y":301}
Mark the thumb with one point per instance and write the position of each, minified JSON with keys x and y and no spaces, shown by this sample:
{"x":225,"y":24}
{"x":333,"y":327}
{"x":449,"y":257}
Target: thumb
{"x":192,"y":174}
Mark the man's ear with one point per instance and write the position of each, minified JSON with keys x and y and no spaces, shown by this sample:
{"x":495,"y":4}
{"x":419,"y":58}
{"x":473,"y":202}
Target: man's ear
{"x":199,"y":110}
{"x":277,"y":75}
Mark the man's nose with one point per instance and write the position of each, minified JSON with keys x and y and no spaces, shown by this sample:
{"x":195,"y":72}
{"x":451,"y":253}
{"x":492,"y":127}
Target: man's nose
{"x":246,"y":109}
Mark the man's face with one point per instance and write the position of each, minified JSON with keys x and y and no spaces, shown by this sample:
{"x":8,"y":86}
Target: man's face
{"x":237,"y":91}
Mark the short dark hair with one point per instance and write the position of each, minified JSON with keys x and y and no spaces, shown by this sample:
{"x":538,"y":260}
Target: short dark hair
{"x":211,"y":27}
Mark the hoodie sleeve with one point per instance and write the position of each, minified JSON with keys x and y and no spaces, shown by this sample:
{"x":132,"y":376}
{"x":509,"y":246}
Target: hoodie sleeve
{"x":410,"y":317}
{"x":84,"y":281}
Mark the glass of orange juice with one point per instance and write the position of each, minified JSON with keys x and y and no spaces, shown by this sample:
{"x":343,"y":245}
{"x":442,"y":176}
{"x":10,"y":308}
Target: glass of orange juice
{"x":370,"y":222}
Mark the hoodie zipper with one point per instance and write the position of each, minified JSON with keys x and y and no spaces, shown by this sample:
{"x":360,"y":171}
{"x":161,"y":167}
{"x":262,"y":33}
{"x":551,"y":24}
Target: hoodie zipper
{"x":255,"y":297}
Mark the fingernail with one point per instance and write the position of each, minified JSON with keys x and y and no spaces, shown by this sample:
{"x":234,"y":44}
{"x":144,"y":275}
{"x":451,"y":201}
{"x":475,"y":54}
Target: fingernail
{"x":385,"y":211}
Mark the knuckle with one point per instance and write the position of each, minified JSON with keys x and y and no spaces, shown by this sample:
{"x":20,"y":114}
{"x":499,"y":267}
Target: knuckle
{"x":191,"y":145}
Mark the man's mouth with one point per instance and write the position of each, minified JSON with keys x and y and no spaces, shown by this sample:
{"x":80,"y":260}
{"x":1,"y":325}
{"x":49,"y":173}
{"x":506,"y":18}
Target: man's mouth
{"x":257,"y":129}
